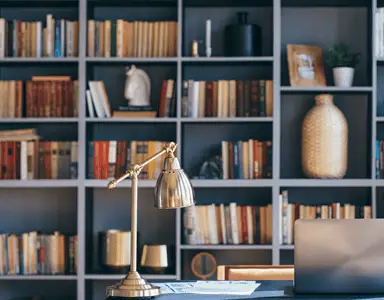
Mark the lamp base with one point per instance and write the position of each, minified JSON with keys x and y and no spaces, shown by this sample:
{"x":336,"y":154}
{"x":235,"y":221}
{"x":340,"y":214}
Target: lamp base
{"x":132,"y":286}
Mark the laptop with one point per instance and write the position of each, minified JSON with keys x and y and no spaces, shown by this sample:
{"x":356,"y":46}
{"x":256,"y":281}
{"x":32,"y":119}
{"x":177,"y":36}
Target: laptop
{"x":339,"y":256}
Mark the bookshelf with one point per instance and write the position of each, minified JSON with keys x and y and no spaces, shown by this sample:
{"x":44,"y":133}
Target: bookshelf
{"x":84,"y":206}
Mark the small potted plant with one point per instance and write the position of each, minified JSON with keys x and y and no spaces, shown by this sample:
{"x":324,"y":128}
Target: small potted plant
{"x":343,"y":63}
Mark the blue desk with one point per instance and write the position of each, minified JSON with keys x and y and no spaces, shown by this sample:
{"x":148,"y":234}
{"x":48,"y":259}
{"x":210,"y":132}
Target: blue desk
{"x":268,"y":290}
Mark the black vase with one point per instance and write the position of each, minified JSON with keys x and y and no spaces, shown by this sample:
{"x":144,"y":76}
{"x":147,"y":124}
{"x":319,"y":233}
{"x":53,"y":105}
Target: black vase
{"x":242,"y":39}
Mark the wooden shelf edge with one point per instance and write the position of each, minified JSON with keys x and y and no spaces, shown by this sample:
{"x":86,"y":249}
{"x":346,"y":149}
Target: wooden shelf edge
{"x":38,"y":277}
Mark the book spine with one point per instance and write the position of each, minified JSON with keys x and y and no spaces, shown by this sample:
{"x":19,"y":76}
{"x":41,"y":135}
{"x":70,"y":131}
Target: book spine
{"x":57,"y":44}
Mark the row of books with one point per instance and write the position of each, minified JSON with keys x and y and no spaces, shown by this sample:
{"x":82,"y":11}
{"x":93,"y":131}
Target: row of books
{"x":23,"y":156}
{"x":58,"y":38}
{"x":110,"y":159}
{"x":122,"y":38}
{"x":232,"y":224}
{"x":250,"y":159}
{"x":290,"y":212}
{"x":227,"y":98}
{"x":45,"y":96}
{"x":379,"y":32}
{"x":379,"y":161}
{"x":33,"y":253}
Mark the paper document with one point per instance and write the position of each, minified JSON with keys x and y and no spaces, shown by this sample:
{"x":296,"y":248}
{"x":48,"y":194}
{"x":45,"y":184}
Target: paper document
{"x":225,"y":287}
{"x":209,"y":287}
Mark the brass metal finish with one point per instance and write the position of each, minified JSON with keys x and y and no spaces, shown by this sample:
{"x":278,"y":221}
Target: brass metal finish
{"x":154,"y":256}
{"x":133,"y":286}
{"x":115,"y":248}
{"x":173,"y":190}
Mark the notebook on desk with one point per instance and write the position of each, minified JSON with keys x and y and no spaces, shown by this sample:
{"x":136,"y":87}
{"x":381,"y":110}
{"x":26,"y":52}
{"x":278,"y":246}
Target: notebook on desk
{"x":339,"y":256}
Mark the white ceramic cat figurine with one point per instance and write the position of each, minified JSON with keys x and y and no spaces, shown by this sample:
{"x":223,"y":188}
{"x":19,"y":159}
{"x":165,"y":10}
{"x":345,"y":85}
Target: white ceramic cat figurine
{"x":137,"y":87}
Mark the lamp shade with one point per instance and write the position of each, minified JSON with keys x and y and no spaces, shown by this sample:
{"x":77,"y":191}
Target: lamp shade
{"x":173,"y":188}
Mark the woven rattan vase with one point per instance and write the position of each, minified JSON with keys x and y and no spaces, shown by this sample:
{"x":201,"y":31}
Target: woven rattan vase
{"x":325,"y":140}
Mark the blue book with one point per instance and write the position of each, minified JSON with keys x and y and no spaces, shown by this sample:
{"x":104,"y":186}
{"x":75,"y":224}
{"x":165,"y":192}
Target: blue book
{"x":236,"y":164}
{"x":377,"y":159}
{"x":241,"y":168}
{"x":91,"y":153}
{"x":57,"y":38}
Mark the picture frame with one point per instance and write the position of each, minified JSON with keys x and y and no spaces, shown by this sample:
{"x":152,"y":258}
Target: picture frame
{"x":305,"y":65}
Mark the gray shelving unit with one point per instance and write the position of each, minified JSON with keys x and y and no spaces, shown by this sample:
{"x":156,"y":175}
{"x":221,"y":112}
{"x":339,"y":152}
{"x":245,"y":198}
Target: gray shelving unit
{"x":86,"y":206}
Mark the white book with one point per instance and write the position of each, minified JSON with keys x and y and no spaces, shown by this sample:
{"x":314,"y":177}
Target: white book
{"x":50,"y":35}
{"x":104,"y":98}
{"x":225,"y":156}
{"x":280,"y":219}
{"x":3,"y":37}
{"x":96,"y":99}
{"x":223,"y":228}
{"x":24,"y":160}
{"x":250,"y":158}
{"x":337,"y":214}
{"x":62,"y":37}
{"x":39,"y":34}
{"x":235,"y":231}
{"x":289,"y":218}
{"x":213,"y":238}
{"x":90,"y":107}
{"x":250,"y":225}
{"x":195,"y":100}
{"x":112,"y":156}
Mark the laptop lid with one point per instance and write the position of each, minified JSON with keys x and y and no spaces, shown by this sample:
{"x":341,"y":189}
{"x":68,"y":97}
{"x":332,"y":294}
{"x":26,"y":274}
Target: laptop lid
{"x":339,"y":256}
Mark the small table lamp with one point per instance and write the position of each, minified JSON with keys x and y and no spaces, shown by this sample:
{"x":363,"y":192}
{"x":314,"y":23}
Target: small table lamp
{"x":173,"y":190}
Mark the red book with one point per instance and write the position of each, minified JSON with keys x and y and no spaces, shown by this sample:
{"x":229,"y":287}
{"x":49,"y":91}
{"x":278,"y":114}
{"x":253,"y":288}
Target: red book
{"x":163,"y":99}
{"x":96,"y":162}
{"x":104,"y":159}
{"x":244,"y":224}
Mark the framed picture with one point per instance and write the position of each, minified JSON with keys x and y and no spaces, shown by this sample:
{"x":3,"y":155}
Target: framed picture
{"x":305,"y":64}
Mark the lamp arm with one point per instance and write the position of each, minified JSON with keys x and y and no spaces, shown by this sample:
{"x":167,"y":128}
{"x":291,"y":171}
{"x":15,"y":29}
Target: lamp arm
{"x":136,"y":169}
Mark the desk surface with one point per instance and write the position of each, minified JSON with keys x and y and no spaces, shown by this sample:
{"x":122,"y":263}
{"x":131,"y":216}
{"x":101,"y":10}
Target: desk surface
{"x":268,"y":290}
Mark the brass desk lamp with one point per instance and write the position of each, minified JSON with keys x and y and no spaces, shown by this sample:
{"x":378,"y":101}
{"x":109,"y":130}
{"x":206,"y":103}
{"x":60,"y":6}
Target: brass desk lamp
{"x":173,"y":190}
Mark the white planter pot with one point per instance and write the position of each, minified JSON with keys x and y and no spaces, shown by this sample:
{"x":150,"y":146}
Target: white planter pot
{"x":343,"y":77}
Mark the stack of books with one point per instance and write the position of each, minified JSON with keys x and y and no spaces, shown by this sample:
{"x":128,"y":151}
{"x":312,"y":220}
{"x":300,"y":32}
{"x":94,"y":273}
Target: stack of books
{"x":59,"y":38}
{"x":232,"y":224}
{"x":250,"y":159}
{"x":121,"y":38}
{"x":227,"y":98}
{"x":33,"y":253}
{"x":110,"y":159}
{"x":290,"y":212}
